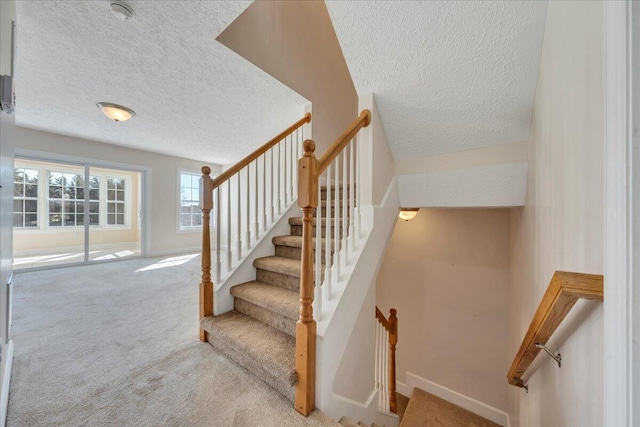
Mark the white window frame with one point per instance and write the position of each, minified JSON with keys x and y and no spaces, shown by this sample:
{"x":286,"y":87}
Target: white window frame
{"x":24,"y":198}
{"x":184,"y":228}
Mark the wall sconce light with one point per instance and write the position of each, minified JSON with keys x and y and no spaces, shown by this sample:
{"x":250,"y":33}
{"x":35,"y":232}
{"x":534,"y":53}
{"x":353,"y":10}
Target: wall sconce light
{"x":408,"y":213}
{"x":116,"y":112}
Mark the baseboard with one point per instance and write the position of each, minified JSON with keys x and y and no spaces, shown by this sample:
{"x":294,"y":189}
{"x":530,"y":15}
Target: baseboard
{"x":175,"y":252}
{"x":489,"y":412}
{"x":6,"y":381}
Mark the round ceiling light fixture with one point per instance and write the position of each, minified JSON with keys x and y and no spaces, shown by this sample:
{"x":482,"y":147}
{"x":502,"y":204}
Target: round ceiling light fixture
{"x":122,"y":11}
{"x":116,"y":112}
{"x":408,"y":213}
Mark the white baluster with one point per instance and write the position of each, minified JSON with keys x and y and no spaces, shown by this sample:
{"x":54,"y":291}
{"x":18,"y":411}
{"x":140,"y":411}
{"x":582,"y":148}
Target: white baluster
{"x":358,"y":187}
{"x":317,"y":309}
{"x":345,"y":206}
{"x":352,"y":196}
{"x":284,"y":172}
{"x":217,"y":216}
{"x":279,"y":173}
{"x":273,"y":195}
{"x":376,"y":375}
{"x":385,"y":345}
{"x":264,"y":192}
{"x":256,"y":212}
{"x":292,"y":162}
{"x":239,"y":222}
{"x":229,"y":253}
{"x":336,"y":222}
{"x":379,"y":349}
{"x":248,"y":233}
{"x":327,"y":237}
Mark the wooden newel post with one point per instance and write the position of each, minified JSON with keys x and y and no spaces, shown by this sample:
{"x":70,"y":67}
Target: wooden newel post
{"x":393,"y":340}
{"x":206,"y":286}
{"x":306,"y":326}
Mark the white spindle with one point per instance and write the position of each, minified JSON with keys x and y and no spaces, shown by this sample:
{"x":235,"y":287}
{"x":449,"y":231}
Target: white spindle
{"x":264,"y":192}
{"x":229,"y":253}
{"x":385,"y":364}
{"x":380,"y":392}
{"x":217,"y":224}
{"x":239,"y":222}
{"x":336,"y":222}
{"x":256,"y":212}
{"x":345,"y":206}
{"x":376,"y":377}
{"x":248,"y":232}
{"x":279,"y":193}
{"x":352,"y":189}
{"x":273,"y":195}
{"x":317,"y":309}
{"x":292,"y":160}
{"x":285,"y":175}
{"x":358,"y":187}
{"x":327,"y":237}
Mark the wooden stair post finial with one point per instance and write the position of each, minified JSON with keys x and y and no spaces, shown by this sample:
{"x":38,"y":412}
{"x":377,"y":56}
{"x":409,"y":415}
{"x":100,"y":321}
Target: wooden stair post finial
{"x":393,"y":340}
{"x":206,"y":286}
{"x":306,"y":326}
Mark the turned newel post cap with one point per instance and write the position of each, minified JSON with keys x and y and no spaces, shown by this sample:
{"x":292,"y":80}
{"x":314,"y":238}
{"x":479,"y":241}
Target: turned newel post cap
{"x":392,"y":312}
{"x":206,"y":170}
{"x":309,"y":147}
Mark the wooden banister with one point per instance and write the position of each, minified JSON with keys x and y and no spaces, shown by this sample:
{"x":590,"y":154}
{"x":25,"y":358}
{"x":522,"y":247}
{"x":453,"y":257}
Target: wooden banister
{"x":338,"y":145}
{"x":220,"y":179}
{"x":563,"y":292}
{"x":206,"y":286}
{"x":391,"y":326}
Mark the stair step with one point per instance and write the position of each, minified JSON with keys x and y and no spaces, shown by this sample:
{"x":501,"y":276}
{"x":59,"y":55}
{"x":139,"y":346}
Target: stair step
{"x":297,"y":220}
{"x":347,"y":422}
{"x":263,"y":350}
{"x":296,"y":227}
{"x":279,"y":271}
{"x":276,"y":306}
{"x":291,"y":246}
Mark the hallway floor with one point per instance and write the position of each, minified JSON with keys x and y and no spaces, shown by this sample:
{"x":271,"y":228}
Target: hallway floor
{"x":116,"y":344}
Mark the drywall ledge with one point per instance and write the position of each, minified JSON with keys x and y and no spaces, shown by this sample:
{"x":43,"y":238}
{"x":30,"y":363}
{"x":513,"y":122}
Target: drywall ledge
{"x":487,"y":186}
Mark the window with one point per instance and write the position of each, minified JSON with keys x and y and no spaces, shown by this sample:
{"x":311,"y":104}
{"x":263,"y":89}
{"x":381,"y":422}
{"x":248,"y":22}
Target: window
{"x":115,"y":201}
{"x":25,"y":198}
{"x":190,"y":213}
{"x":66,"y":199}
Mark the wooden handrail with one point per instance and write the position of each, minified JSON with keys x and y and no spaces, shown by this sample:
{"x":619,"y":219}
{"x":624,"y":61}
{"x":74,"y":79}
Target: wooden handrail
{"x":391,"y":325}
{"x":563,"y":292}
{"x":338,"y":145}
{"x":220,"y":179}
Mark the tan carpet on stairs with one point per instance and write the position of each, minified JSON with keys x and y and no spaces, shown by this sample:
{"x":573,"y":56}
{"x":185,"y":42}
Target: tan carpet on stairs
{"x":425,"y":409}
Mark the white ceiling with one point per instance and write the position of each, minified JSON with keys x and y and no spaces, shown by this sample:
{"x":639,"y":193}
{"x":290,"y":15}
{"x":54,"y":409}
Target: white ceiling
{"x":193,"y":97}
{"x":447,"y":75}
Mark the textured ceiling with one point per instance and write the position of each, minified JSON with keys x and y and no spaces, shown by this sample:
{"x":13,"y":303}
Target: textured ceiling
{"x":447,"y":75}
{"x":193,"y":97}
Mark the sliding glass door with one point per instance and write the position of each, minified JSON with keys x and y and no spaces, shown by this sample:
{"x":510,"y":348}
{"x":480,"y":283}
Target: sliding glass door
{"x":72,"y":214}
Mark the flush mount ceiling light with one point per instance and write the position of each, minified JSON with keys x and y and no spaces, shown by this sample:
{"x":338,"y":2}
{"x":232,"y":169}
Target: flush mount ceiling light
{"x":408,"y":213}
{"x":116,"y":112}
{"x":122,"y":11}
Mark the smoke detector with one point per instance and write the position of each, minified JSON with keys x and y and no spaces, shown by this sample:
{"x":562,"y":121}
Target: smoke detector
{"x":121,"y":11}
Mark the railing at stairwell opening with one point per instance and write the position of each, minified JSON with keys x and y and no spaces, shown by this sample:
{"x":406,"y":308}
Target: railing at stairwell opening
{"x":385,"y":360}
{"x":327,"y":249}
{"x":246,"y":200}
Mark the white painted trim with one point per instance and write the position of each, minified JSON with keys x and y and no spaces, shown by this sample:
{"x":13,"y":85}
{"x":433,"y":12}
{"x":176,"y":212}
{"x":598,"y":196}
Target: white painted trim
{"x":6,"y":382}
{"x":176,"y":252}
{"x":618,"y":289}
{"x":489,"y":412}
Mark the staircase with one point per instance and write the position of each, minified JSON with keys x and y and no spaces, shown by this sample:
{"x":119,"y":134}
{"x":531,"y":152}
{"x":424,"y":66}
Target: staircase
{"x":259,"y":334}
{"x":347,"y":422}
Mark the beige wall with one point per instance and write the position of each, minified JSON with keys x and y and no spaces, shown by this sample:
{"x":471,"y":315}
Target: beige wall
{"x":164,"y":235}
{"x":294,"y":41}
{"x":446,"y":272}
{"x":561,"y":225}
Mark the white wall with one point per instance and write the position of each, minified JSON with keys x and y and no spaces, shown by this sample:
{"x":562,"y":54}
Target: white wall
{"x":561,"y":225}
{"x":446,"y":272}
{"x":164,"y":235}
{"x":7,"y":125}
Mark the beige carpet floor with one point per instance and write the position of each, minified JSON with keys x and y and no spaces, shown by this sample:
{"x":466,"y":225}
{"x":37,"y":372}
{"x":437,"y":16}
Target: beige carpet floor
{"x":116,"y":345}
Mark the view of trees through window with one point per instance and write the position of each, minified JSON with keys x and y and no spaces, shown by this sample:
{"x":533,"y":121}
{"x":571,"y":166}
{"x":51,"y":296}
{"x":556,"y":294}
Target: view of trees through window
{"x":66,"y":199}
{"x":190,"y":213}
{"x":25,"y":197}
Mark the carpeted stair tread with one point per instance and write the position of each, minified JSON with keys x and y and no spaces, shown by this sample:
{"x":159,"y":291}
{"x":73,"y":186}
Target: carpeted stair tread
{"x":323,"y":221}
{"x":263,"y":350}
{"x":425,"y":409}
{"x":273,"y":298}
{"x":296,"y":241}
{"x":347,"y":422}
{"x":276,"y":264}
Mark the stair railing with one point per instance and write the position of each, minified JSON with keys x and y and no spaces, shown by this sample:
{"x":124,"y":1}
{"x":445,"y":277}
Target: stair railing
{"x":385,"y":360}
{"x":264,"y":185}
{"x":340,"y":164}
